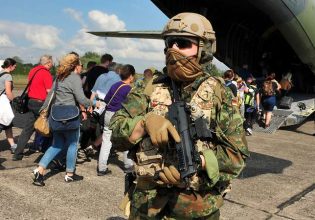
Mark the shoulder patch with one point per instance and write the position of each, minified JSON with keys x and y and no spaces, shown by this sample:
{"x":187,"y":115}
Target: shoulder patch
{"x":203,"y":98}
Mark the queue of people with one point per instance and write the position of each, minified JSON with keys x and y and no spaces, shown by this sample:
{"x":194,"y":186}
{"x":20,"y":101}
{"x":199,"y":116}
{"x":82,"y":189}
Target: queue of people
{"x":255,"y":102}
{"x":109,"y":84}
{"x":102,"y":80}
{"x":149,"y":123}
{"x":146,"y":123}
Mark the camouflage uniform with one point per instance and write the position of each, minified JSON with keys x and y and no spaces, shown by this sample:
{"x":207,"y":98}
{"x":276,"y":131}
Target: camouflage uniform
{"x":141,"y":83}
{"x":152,"y":196}
{"x":152,"y":199}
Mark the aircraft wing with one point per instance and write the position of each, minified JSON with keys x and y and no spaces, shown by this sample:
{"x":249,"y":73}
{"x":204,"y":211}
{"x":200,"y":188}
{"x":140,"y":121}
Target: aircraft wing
{"x":129,"y":34}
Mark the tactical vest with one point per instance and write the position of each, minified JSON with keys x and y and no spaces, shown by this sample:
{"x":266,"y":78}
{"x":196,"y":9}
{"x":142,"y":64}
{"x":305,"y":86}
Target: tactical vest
{"x":150,"y":160}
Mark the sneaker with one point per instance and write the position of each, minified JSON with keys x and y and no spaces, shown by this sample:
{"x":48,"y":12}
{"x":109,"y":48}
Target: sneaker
{"x":105,"y":172}
{"x":13,"y":148}
{"x":73,"y":178}
{"x":89,"y":151}
{"x":38,"y":179}
{"x":249,"y":130}
{"x":81,"y":153}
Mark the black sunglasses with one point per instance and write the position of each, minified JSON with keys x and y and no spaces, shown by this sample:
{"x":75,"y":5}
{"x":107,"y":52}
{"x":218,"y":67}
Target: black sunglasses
{"x":180,"y":42}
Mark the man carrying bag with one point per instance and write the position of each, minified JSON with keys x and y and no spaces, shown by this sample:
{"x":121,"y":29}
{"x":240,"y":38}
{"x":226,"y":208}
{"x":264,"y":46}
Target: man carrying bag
{"x":37,"y":92}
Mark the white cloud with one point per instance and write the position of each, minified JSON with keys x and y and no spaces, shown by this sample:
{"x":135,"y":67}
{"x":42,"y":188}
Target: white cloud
{"x":40,"y":36}
{"x":134,"y":51}
{"x":45,"y":37}
{"x":84,"y":42}
{"x":76,"y":15}
{"x":33,"y":40}
{"x":5,"y":41}
{"x":106,"y":22}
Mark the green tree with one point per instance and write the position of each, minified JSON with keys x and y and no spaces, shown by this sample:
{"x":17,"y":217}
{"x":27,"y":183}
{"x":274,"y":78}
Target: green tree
{"x":17,"y":59}
{"x":90,"y":56}
{"x":213,"y":70}
{"x":22,"y":69}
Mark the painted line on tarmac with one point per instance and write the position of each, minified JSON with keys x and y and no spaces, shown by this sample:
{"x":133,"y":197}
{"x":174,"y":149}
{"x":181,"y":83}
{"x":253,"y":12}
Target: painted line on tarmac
{"x":296,"y":197}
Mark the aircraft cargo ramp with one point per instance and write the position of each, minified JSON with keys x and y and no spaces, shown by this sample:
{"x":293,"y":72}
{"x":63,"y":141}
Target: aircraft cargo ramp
{"x":302,"y":107}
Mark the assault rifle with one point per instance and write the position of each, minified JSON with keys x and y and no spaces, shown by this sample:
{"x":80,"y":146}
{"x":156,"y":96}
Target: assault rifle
{"x":190,"y":131}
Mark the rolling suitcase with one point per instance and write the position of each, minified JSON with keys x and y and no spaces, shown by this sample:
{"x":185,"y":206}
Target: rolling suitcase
{"x":285,"y":102}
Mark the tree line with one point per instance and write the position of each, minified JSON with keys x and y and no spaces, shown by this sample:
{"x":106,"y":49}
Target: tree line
{"x":24,"y":68}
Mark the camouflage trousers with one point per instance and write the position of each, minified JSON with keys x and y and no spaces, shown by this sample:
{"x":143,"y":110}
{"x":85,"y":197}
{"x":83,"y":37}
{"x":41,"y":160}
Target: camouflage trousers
{"x":174,"y":203}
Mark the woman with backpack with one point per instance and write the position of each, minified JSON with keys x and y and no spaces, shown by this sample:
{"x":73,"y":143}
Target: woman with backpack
{"x":268,"y":96}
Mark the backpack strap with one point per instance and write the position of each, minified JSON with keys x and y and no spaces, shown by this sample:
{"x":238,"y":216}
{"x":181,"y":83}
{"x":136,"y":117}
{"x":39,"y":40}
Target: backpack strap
{"x":1,"y":74}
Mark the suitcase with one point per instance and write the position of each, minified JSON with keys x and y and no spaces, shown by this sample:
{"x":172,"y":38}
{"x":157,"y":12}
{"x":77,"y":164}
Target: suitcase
{"x":285,"y":102}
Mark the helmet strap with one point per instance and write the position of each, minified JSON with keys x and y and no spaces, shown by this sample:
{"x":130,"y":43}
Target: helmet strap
{"x":206,"y":53}
{"x":200,"y":48}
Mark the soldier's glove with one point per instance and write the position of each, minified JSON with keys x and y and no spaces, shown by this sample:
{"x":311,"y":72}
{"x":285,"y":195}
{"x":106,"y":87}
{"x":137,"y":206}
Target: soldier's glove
{"x":158,"y":128}
{"x":170,"y":175}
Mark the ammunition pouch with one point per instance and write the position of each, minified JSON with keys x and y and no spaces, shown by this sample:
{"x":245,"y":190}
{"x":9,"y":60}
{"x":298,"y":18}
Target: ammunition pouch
{"x":149,"y":163}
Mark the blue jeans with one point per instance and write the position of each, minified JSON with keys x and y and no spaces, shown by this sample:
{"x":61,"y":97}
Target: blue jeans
{"x":63,"y":140}
{"x":268,"y":103}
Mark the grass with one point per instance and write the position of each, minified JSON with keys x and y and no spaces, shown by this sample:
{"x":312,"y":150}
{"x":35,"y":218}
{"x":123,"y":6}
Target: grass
{"x":19,"y":81}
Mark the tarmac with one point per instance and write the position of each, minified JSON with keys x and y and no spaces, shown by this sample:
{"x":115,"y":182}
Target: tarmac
{"x":278,"y":183}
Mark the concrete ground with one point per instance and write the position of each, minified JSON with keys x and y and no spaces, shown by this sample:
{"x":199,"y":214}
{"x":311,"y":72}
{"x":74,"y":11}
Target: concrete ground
{"x":278,"y":183}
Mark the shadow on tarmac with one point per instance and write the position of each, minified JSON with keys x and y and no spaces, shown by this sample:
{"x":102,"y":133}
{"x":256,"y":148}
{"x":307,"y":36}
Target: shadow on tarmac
{"x":1,"y":161}
{"x":259,"y":164}
{"x":4,"y":145}
{"x":294,"y":128}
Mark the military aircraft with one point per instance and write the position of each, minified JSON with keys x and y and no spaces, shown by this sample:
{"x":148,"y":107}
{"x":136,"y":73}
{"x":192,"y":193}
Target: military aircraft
{"x":267,"y":35}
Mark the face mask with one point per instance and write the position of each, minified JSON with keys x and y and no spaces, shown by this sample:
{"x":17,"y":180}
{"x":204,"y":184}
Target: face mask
{"x":182,"y":68}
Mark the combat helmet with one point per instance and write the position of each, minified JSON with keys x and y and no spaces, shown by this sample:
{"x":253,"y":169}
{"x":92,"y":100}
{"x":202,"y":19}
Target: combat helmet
{"x":196,"y":25}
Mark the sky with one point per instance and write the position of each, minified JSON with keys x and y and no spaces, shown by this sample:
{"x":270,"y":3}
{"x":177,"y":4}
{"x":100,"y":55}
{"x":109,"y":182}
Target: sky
{"x":29,"y":29}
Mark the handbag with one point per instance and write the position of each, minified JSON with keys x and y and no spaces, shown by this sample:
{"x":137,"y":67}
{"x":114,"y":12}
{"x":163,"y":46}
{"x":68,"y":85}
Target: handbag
{"x":6,"y":113}
{"x":64,"y":117}
{"x":41,"y":124}
{"x":20,"y":103}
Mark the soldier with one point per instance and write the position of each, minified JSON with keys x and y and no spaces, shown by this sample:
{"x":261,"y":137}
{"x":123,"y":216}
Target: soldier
{"x":162,"y":189}
{"x":147,"y":76}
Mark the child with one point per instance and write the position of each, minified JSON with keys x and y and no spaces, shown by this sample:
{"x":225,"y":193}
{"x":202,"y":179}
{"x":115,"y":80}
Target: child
{"x":251,"y":96}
